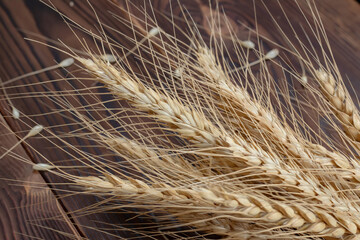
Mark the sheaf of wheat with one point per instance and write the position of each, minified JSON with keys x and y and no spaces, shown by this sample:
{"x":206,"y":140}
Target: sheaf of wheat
{"x":204,"y":145}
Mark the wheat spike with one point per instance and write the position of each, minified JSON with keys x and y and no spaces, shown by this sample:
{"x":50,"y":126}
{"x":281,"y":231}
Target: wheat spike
{"x":271,"y":213}
{"x":250,"y":109}
{"x":343,"y":106}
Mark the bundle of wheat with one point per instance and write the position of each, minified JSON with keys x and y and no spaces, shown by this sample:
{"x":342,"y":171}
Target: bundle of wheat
{"x":211,"y":141}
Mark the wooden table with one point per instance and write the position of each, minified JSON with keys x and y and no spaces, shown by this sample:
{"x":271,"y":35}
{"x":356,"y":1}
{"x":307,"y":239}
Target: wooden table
{"x":30,"y":206}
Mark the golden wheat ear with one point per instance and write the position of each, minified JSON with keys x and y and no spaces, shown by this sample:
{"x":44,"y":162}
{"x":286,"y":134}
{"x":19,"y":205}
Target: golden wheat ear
{"x":341,"y":103}
{"x":248,"y":113}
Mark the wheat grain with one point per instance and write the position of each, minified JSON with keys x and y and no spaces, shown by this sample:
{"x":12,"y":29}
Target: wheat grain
{"x":15,"y":112}
{"x":33,"y":132}
{"x":63,"y":64}
{"x":42,"y":167}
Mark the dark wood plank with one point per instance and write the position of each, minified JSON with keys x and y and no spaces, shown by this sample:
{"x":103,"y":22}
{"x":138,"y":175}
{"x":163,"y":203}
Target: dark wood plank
{"x":18,"y":56}
{"x":28,"y":207}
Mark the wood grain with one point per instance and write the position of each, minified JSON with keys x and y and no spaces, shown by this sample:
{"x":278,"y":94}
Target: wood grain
{"x":20,"y":18}
{"x":28,"y":206}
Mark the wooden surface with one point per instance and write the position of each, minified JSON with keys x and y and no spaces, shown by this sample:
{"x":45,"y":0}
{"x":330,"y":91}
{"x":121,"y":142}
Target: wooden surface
{"x":30,"y":206}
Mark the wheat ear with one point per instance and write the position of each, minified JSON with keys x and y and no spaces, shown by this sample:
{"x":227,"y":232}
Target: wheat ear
{"x":158,"y":161}
{"x":341,"y":102}
{"x":250,"y":109}
{"x":228,"y":208}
